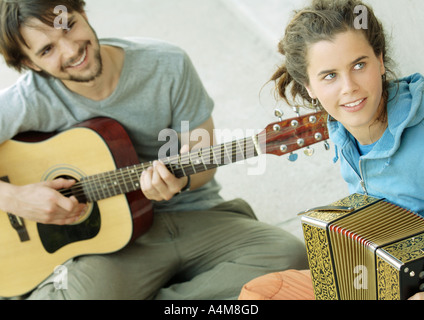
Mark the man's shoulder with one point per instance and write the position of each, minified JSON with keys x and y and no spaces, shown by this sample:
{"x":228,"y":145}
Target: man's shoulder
{"x":151,"y":56}
{"x":27,"y":84}
{"x":145,"y":45}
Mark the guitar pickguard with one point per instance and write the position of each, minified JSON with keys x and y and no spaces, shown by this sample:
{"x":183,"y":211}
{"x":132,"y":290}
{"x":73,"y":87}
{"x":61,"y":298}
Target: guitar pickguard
{"x":55,"y":237}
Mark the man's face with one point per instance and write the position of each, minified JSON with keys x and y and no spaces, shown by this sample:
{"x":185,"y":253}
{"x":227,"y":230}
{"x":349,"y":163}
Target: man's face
{"x":71,"y":54}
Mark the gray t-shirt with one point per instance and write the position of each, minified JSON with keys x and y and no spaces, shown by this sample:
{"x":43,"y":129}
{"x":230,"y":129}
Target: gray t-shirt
{"x":158,"y":88}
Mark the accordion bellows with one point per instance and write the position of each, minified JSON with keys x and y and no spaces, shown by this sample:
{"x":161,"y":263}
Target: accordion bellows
{"x":371,"y":250}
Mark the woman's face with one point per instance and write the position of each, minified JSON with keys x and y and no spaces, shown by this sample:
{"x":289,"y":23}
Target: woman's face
{"x":345,"y":75}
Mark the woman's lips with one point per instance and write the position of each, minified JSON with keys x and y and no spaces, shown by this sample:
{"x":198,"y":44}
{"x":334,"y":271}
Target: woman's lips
{"x":355,"y":106}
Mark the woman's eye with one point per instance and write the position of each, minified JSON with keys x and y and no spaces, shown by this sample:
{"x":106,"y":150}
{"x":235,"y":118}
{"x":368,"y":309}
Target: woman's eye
{"x":330,"y":76}
{"x":360,"y":66}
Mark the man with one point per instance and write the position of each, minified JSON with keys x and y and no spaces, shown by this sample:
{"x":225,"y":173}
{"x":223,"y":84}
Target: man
{"x":199,"y":247}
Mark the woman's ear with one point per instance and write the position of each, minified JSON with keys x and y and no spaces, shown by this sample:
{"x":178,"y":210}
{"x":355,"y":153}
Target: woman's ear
{"x":382,"y":66}
{"x":310,"y":92}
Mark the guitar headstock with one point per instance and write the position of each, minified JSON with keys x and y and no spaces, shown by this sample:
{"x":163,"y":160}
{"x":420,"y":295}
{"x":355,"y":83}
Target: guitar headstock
{"x":289,"y":135}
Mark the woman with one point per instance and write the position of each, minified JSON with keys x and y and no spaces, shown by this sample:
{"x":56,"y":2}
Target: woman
{"x":336,"y":60}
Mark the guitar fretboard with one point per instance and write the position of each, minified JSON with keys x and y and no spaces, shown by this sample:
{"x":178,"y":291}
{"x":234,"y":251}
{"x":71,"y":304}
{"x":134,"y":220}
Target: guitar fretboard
{"x":124,"y":180}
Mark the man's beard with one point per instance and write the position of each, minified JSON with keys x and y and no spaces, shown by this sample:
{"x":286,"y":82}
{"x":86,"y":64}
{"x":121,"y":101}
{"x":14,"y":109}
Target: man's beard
{"x":76,"y":78}
{"x":95,"y":74}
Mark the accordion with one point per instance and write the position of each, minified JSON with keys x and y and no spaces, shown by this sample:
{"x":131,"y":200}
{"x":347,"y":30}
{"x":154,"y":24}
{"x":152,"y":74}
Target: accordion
{"x":363,"y":248}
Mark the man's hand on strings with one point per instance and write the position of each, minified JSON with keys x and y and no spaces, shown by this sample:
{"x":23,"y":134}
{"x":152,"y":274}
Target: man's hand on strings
{"x":159,"y":184}
{"x":42,"y":203}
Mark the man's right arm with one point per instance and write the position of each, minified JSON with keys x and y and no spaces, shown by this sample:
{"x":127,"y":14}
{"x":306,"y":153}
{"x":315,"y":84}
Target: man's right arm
{"x":41,"y":202}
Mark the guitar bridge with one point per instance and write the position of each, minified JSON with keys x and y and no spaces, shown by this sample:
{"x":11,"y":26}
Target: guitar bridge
{"x":17,"y":223}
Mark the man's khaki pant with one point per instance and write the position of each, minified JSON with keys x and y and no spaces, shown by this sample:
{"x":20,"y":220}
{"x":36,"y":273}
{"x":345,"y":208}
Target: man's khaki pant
{"x":186,"y":255}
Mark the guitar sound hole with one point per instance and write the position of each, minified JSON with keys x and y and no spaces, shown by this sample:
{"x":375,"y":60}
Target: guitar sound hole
{"x":55,"y":237}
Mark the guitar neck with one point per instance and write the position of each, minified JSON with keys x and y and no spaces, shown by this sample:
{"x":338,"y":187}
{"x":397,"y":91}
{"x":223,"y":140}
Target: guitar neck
{"x":210,"y":158}
{"x":124,"y":180}
{"x":279,"y":138}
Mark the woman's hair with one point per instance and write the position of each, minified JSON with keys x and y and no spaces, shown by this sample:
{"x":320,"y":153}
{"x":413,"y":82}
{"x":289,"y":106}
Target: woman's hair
{"x":323,"y":20}
{"x":16,"y":13}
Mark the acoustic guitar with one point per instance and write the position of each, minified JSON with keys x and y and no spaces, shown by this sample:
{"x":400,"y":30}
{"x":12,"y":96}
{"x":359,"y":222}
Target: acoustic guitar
{"x":99,"y":155}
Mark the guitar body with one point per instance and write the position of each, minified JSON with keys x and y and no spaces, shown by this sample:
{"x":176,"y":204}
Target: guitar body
{"x":30,"y":252}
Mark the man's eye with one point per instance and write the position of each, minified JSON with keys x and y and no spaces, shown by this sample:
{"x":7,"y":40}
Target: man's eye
{"x":46,"y":51}
{"x":70,"y":26}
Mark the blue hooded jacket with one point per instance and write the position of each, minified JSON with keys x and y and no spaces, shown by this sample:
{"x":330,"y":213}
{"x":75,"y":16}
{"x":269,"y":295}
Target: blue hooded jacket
{"x":394,"y":168}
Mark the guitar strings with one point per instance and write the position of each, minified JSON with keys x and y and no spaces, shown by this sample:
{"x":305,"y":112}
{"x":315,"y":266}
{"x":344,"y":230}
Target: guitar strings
{"x":119,"y":176}
{"x":78,"y":189}
{"x":83,"y":187}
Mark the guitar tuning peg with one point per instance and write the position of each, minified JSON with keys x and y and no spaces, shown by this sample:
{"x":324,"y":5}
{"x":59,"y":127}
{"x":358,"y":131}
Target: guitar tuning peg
{"x":296,"y":110}
{"x":309,"y":152}
{"x":327,"y":146}
{"x":293,"y":157}
{"x":279,"y":114}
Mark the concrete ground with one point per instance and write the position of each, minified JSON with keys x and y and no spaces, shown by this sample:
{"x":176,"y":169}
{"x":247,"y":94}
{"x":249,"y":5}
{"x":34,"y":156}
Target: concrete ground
{"x":233,"y":45}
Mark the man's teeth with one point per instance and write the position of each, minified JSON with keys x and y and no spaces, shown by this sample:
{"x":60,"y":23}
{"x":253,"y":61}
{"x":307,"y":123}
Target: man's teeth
{"x":80,"y":60}
{"x":354,"y":104}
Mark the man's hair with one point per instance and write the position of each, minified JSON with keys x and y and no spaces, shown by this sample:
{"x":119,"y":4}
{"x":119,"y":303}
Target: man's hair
{"x":16,"y":13}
